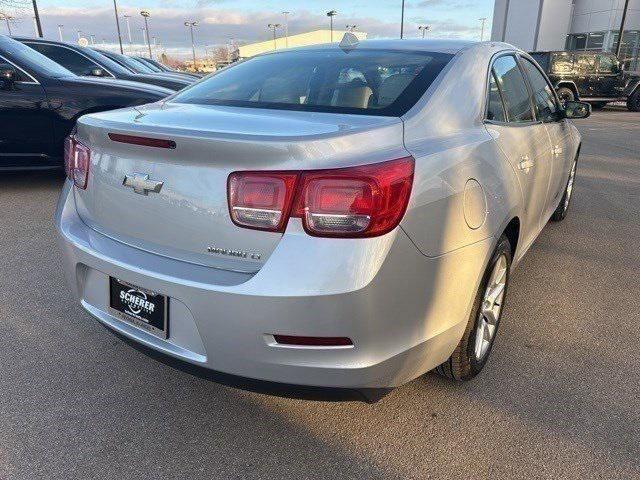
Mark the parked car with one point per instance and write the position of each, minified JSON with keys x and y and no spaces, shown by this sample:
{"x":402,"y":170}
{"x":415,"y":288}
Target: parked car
{"x":160,"y":67}
{"x":40,"y":102}
{"x":136,"y":66}
{"x":330,"y":215}
{"x":85,"y":61}
{"x":594,"y":77}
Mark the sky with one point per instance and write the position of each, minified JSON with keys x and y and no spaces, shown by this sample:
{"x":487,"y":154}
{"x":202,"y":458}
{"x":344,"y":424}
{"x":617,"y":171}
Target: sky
{"x":243,"y":21}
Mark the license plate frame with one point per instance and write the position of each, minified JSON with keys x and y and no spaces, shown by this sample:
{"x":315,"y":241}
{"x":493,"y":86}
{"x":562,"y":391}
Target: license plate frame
{"x":140,"y":307}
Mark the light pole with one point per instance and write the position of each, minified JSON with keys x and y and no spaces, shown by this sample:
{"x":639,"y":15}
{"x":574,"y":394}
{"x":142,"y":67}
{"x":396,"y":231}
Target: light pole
{"x":36,"y":19}
{"x":482,"y":20}
{"x":146,"y":16}
{"x":115,"y":9}
{"x":331,"y":14}
{"x":193,"y":45}
{"x":623,"y":21}
{"x":286,"y":29}
{"x":60,"y":32}
{"x":6,"y":18}
{"x":126,"y":18}
{"x":93,"y":39}
{"x":402,"y":21}
{"x":424,"y":29}
{"x":35,"y":25}
{"x":273,"y":27}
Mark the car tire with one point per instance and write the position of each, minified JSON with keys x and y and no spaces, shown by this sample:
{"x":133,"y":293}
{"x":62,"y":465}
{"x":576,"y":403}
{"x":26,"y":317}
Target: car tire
{"x":633,"y":102}
{"x":565,"y":201}
{"x":598,"y":105}
{"x":473,"y":350}
{"x":565,"y":94}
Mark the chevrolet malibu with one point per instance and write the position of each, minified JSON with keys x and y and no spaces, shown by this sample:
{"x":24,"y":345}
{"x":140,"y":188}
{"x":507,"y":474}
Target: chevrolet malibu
{"x":336,"y":216}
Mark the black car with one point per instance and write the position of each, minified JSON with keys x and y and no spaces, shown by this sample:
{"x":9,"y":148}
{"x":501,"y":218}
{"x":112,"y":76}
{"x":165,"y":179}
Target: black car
{"x":40,"y":102}
{"x":157,"y":66}
{"x":594,"y":77}
{"x":136,"y":66}
{"x":88,"y":62}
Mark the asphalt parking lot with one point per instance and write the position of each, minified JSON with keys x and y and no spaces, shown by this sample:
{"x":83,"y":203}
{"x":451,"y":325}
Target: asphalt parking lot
{"x":559,"y":399}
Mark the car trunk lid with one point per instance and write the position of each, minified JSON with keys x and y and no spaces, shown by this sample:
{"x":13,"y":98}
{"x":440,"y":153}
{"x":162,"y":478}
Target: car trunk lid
{"x":187,"y":218}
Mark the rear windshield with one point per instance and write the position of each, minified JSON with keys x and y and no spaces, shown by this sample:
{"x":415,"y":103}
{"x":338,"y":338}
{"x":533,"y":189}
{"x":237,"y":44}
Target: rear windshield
{"x":370,"y":82}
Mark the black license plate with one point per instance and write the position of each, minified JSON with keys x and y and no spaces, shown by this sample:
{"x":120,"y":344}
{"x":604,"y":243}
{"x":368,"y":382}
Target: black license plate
{"x":139,"y":306}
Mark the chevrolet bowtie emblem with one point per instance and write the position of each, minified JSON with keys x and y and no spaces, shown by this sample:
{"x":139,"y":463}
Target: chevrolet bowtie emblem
{"x":141,"y":183}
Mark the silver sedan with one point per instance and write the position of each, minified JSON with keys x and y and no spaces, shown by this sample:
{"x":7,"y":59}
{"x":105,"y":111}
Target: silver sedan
{"x":338,"y":216}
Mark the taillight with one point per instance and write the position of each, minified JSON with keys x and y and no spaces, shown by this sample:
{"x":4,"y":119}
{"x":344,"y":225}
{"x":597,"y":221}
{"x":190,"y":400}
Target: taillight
{"x":261,"y":200}
{"x":362,"y":201}
{"x":76,"y":161}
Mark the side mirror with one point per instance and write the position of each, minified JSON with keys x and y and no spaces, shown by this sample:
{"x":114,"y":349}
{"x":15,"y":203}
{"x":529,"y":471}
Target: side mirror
{"x":574,"y":109}
{"x":97,"y":72}
{"x":8,"y":74}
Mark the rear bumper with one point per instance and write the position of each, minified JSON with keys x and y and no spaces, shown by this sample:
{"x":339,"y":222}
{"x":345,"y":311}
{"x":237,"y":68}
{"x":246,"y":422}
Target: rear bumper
{"x":404,"y":312}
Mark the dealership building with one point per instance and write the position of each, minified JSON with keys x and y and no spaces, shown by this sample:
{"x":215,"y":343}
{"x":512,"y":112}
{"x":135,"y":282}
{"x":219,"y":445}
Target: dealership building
{"x":304,"y":39}
{"x":591,"y":25}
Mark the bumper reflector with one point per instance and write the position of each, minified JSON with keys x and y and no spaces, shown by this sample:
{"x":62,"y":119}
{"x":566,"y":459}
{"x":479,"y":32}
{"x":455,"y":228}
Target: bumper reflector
{"x":313,"y":341}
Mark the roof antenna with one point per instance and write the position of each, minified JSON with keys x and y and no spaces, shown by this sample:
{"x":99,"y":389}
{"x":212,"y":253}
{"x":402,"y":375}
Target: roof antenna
{"x":349,"y":42}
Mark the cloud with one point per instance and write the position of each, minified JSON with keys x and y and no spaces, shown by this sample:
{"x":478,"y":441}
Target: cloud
{"x":447,"y":4}
{"x":218,"y":24}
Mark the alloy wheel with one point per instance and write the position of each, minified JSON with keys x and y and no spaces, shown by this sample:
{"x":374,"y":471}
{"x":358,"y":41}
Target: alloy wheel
{"x":491,"y":308}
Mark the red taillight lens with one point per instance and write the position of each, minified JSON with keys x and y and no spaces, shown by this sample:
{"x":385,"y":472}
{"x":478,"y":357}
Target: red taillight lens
{"x":143,"y":141}
{"x":261,"y":200}
{"x":363,"y":201}
{"x":76,"y":161}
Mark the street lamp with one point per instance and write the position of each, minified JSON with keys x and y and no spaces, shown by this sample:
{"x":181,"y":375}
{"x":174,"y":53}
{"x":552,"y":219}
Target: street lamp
{"x":273,"y":27}
{"x":424,"y":29}
{"x":36,"y":19}
{"x":331,"y":14}
{"x":351,"y":28}
{"x":482,"y":20}
{"x":115,"y":9}
{"x":618,"y":48}
{"x":145,"y":14}
{"x":126,"y":18}
{"x":193,"y":45}
{"x":60,"y":32}
{"x":6,"y":18}
{"x":402,"y":21}
{"x":286,"y":29}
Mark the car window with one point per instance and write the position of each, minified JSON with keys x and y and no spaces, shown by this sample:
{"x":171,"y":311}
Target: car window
{"x":541,"y":58}
{"x":585,"y":64}
{"x":607,"y":64}
{"x":543,"y":96}
{"x":495,"y":108}
{"x":33,"y":61}
{"x":366,"y":81}
{"x":20,"y":75}
{"x":514,"y":90}
{"x":77,"y":63}
{"x":562,"y":63}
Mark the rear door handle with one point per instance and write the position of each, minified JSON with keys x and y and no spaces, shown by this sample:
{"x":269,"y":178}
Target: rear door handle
{"x":525,"y":163}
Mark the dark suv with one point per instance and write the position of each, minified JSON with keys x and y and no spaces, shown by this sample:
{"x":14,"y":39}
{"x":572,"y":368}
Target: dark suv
{"x":594,"y":77}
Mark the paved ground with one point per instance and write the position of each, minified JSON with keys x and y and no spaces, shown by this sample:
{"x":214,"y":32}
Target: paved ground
{"x":560,"y":399}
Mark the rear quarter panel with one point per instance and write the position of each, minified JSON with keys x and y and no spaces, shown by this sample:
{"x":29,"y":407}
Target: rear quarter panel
{"x":464,"y":189}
